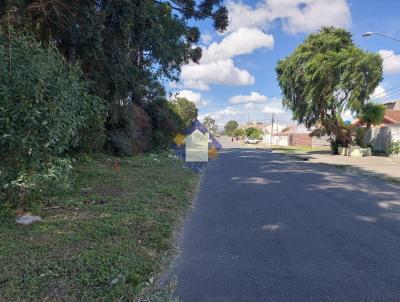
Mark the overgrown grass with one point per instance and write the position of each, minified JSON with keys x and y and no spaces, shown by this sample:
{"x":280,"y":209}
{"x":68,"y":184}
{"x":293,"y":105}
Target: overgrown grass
{"x":104,"y":239}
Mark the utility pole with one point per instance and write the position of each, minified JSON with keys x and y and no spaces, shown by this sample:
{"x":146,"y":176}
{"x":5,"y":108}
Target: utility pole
{"x":272,"y":127}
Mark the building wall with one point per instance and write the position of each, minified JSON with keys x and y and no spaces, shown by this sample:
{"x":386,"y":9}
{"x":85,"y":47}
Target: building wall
{"x":300,"y":139}
{"x":381,"y":137}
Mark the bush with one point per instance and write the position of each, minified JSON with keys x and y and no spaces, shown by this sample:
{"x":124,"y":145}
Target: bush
{"x":166,"y":123}
{"x":128,"y":130}
{"x":44,"y":106}
{"x":394,"y":148}
{"x":360,"y":137}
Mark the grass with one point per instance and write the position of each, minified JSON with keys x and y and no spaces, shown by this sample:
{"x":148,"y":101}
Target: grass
{"x":104,"y":239}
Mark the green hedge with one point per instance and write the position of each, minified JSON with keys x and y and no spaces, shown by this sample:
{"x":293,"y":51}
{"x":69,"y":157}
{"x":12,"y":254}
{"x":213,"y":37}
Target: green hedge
{"x":45,"y":110}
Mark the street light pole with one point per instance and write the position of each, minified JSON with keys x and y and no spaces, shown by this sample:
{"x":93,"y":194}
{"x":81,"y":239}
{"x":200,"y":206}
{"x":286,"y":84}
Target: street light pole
{"x":371,"y":33}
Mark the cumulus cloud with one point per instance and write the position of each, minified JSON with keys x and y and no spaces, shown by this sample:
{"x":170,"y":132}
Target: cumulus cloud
{"x":217,"y":66}
{"x":391,"y":62}
{"x":254,"y":97}
{"x":192,"y":96}
{"x":269,"y":109}
{"x":220,"y":72}
{"x":379,"y":92}
{"x":222,"y":116}
{"x":295,"y":15}
{"x":242,"y":41}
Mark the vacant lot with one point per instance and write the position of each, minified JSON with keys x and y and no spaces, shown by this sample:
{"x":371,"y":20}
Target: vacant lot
{"x":104,"y":239}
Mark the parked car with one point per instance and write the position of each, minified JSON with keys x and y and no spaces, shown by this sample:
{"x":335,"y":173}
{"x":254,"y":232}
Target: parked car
{"x":251,"y":141}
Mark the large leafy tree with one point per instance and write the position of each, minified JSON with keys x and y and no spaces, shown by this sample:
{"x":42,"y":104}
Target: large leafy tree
{"x":230,"y":127}
{"x":186,"y":110}
{"x":326,"y":75}
{"x":124,"y":47}
{"x":127,"y":49}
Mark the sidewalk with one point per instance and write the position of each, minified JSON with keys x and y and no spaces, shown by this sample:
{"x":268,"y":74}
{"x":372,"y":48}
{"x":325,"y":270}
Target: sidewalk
{"x":379,"y":166}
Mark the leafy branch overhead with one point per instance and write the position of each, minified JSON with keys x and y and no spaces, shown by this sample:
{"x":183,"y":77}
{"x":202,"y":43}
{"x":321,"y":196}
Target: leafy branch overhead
{"x":325,"y":76}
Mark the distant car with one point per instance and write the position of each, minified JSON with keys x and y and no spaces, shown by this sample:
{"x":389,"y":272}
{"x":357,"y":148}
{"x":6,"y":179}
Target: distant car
{"x":251,"y":141}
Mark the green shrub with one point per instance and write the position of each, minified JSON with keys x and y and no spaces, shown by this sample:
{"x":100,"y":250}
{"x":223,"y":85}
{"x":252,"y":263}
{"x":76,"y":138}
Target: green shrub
{"x":360,"y":137}
{"x":44,"y":109}
{"x":394,"y":148}
{"x":166,"y":123}
{"x":128,"y":130}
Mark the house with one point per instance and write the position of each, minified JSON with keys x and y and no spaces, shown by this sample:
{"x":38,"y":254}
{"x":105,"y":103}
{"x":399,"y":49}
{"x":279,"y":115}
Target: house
{"x":393,"y":105}
{"x":391,"y":117}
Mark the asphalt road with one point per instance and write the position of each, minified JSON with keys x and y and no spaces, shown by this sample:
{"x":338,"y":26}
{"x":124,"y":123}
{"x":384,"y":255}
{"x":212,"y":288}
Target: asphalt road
{"x":267,"y":227}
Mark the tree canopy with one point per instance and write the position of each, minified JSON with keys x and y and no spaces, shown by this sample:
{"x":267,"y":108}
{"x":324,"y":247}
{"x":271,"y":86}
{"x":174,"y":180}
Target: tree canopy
{"x":124,"y":47}
{"x":253,"y":132}
{"x":230,"y":127}
{"x":186,"y":110}
{"x":239,"y":132}
{"x":372,"y":114}
{"x":326,"y":75}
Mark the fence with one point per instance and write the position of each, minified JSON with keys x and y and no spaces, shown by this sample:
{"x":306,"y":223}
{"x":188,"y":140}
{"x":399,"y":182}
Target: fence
{"x":380,"y":138}
{"x":276,"y":140}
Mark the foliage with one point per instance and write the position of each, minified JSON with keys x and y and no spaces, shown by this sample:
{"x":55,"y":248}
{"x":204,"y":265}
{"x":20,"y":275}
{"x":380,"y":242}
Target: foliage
{"x":127,"y":49}
{"x":372,"y":114}
{"x":209,"y":123}
{"x":230,"y":127}
{"x":239,"y":132}
{"x":360,"y":137}
{"x":326,"y":75}
{"x":44,"y":109}
{"x":253,"y":132}
{"x":394,"y":148}
{"x":165,"y":121}
{"x":186,"y":110}
{"x":130,"y":130}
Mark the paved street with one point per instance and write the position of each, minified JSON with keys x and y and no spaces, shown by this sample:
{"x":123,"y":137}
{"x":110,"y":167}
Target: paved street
{"x":268,"y":227}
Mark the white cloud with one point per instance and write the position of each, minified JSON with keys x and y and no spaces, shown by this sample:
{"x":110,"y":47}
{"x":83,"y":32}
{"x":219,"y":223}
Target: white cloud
{"x":206,"y":38}
{"x":216,"y":65}
{"x":222,"y":116}
{"x":220,"y":72}
{"x":241,"y":15}
{"x":192,"y":96}
{"x":196,"y":84}
{"x":242,"y":41}
{"x":254,"y":97}
{"x":276,"y":110}
{"x":379,"y":92}
{"x":309,"y":15}
{"x":295,"y":15}
{"x":391,"y":62}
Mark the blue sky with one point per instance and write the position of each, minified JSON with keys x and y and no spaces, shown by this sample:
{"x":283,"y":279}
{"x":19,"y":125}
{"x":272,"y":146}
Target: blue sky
{"x":236,"y":78}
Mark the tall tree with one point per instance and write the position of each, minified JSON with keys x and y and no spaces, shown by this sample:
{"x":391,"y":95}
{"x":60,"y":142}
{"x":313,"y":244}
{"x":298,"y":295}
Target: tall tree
{"x":230,"y":127}
{"x":126,"y":49}
{"x":326,"y":75}
{"x":186,"y":110}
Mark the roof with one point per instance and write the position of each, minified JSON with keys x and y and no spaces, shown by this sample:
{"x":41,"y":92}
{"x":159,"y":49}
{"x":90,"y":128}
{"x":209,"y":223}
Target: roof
{"x":392,"y":116}
{"x":395,"y":105}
